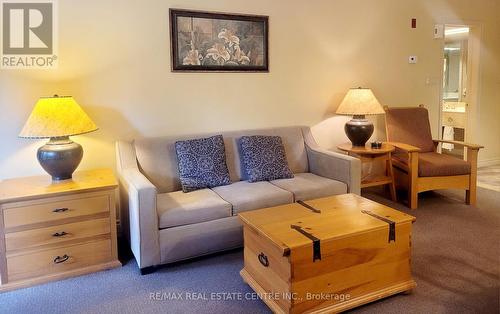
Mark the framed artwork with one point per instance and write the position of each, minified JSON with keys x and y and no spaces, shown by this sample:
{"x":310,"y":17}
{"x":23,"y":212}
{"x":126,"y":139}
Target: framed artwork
{"x":218,"y":42}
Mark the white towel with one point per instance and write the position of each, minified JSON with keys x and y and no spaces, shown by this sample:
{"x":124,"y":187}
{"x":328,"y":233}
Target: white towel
{"x":448,"y":135}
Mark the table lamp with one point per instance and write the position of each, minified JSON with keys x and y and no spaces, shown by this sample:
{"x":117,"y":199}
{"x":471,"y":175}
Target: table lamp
{"x":359,"y":102}
{"x":58,"y":118}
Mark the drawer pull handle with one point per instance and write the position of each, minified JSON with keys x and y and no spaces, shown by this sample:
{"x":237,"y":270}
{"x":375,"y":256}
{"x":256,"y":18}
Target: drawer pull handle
{"x":60,"y":210}
{"x":61,"y":259}
{"x":263,"y":259}
{"x":60,"y":234}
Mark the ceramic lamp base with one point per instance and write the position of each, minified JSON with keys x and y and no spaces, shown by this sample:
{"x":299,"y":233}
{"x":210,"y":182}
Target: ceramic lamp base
{"x":359,"y":130}
{"x":60,"y":157}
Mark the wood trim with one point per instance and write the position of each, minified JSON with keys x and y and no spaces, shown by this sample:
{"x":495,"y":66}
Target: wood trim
{"x":89,"y":189}
{"x":50,"y":199}
{"x":365,"y":158}
{"x":406,"y":147}
{"x":470,"y":194}
{"x":468,"y":145}
{"x":412,"y":180}
{"x":112,"y":222}
{"x":3,"y":249}
{"x":402,"y":287}
{"x":57,"y":222}
{"x":37,"y":187}
{"x":63,"y":275}
{"x":46,"y":213}
{"x":448,"y":182}
{"x":369,"y":155}
{"x":366,"y":150}
{"x":376,"y":181}
{"x":273,"y":305}
{"x":59,"y":245}
{"x":390,"y":172}
{"x":44,"y":237}
{"x":40,"y":263}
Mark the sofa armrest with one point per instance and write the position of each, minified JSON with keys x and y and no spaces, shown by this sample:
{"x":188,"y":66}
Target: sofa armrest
{"x":332,"y":165}
{"x":335,"y":166}
{"x":139,"y":195}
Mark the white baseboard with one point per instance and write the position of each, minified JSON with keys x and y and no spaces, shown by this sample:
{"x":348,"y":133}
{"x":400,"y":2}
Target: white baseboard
{"x":488,"y":162}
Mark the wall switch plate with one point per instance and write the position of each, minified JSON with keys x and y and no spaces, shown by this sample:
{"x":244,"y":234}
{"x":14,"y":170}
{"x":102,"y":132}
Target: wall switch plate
{"x":412,"y":59}
{"x":438,"y":31}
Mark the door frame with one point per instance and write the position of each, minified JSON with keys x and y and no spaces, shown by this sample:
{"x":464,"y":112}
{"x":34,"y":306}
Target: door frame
{"x":474,"y":79}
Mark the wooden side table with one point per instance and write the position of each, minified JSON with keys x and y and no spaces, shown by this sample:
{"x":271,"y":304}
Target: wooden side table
{"x":369,"y":155}
{"x":55,"y":230}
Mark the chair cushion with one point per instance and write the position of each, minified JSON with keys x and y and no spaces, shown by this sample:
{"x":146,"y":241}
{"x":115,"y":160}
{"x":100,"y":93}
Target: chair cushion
{"x":410,"y":126}
{"x":435,"y":164}
{"x":245,"y":196}
{"x":202,"y":163}
{"x":263,"y":158}
{"x":307,"y":186}
{"x":179,"y":208}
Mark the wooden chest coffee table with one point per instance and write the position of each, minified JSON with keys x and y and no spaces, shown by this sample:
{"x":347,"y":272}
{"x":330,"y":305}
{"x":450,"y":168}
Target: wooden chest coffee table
{"x":327,"y":255}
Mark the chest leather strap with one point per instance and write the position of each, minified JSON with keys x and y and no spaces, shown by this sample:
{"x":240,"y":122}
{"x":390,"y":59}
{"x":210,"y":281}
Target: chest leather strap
{"x":316,"y":242}
{"x":392,"y":224}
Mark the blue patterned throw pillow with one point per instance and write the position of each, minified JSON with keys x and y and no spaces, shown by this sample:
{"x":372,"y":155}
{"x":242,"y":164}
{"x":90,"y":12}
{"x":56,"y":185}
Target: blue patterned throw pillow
{"x":202,"y":163}
{"x":263,"y":158}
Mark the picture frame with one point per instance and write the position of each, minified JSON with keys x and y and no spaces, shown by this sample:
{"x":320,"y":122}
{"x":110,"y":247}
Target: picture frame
{"x":202,"y":41}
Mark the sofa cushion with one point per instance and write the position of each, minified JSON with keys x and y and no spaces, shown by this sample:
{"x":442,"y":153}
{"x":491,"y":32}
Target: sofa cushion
{"x":263,"y":158}
{"x":307,"y":186}
{"x":157,"y":159}
{"x":435,"y":164}
{"x":178,"y":208}
{"x":202,"y":163}
{"x":245,"y":196}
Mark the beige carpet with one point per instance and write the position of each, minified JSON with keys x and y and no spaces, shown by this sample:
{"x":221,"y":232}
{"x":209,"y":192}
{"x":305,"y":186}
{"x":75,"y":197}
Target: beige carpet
{"x":455,"y":263}
{"x":456,"y":255}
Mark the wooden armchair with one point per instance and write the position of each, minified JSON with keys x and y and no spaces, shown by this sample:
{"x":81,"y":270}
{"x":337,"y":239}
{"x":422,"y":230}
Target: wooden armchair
{"x":416,"y":162}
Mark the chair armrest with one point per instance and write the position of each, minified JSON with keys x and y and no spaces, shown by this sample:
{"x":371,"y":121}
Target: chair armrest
{"x":139,"y":197}
{"x":406,"y":147}
{"x":335,"y":166}
{"x":468,"y":145}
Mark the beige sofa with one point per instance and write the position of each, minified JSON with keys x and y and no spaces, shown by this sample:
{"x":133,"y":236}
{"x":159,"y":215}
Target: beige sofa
{"x":165,"y":225}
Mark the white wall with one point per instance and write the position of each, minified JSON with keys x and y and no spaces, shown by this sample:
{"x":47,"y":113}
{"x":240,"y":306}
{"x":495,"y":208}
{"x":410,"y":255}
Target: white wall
{"x":114,"y":59}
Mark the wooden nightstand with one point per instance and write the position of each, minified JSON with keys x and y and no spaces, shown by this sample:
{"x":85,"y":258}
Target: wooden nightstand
{"x":369,"y":155}
{"x":50,"y":231}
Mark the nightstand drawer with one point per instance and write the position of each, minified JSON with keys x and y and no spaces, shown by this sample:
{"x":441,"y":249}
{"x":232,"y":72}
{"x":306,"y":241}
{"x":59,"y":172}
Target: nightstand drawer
{"x":56,"y":234}
{"x":48,"y":211}
{"x":54,"y":261}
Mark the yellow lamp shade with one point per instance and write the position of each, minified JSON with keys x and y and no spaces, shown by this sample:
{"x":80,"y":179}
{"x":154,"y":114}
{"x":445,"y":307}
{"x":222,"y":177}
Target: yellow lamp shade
{"x":57,"y":116}
{"x":360,"y":101}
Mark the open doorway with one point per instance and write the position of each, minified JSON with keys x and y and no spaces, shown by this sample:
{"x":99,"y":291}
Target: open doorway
{"x":454,"y":104}
{"x":459,"y":99}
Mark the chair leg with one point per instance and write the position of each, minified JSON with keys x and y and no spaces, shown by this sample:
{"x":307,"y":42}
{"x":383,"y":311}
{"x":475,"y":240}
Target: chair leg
{"x":390,"y":173}
{"x":470,"y":194}
{"x":412,"y":198}
{"x":412,"y":180}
